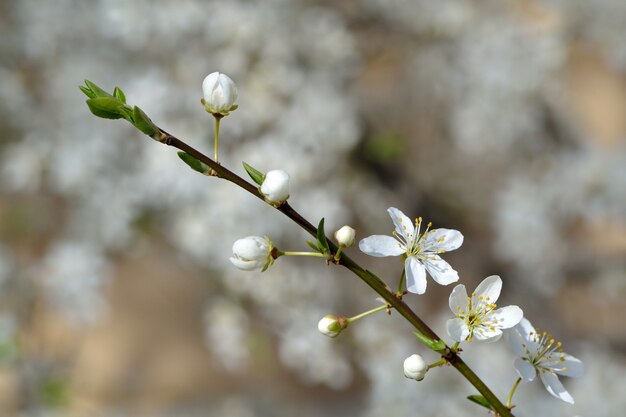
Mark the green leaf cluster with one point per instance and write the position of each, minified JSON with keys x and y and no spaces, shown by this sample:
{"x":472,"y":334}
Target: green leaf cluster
{"x":321,"y":245}
{"x":113,"y":106}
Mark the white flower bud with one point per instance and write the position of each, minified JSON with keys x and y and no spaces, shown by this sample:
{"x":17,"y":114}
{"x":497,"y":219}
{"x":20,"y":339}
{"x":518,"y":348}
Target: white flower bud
{"x":220,"y":94}
{"x":345,"y":236}
{"x":252,"y":252}
{"x":331,"y":325}
{"x":415,"y":367}
{"x":276,"y":186}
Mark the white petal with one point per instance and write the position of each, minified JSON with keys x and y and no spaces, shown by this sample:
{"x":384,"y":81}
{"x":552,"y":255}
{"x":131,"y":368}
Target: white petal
{"x":442,"y":239}
{"x":507,"y":317}
{"x":487,"y":291}
{"x":525,"y":369}
{"x":440,"y":270}
{"x":458,"y":299}
{"x":404,"y":225}
{"x":380,"y":245}
{"x":487,"y":335}
{"x":415,"y":276}
{"x":528,"y":333}
{"x":457,"y":329}
{"x":516,"y":341}
{"x":244,"y":265}
{"x":554,"y":387}
{"x":571,"y":366}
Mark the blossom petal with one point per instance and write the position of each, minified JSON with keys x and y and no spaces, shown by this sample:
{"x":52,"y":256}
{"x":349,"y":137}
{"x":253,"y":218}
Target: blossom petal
{"x":440,"y":270}
{"x":458,"y":299}
{"x":457,"y":329}
{"x":415,"y":275}
{"x":525,"y":369}
{"x":516,"y":341}
{"x":442,"y":239}
{"x":554,"y":387}
{"x":380,"y":245}
{"x":487,"y":291}
{"x":528,"y":333}
{"x":244,"y":265}
{"x":507,"y":317}
{"x":484,"y":334}
{"x":404,"y":225}
{"x":569,"y":366}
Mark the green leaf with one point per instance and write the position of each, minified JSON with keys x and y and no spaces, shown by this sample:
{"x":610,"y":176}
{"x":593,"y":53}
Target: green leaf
{"x":313,"y":246}
{"x":435,"y":345}
{"x":257,"y":176}
{"x":105,"y":107}
{"x":480,"y":400}
{"x":87,"y":91}
{"x":194,"y":163}
{"x":97,"y":91}
{"x":321,"y":237}
{"x":119,"y":94}
{"x":143,"y":122}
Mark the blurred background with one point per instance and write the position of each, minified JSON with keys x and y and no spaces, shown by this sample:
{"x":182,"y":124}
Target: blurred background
{"x":505,"y":120}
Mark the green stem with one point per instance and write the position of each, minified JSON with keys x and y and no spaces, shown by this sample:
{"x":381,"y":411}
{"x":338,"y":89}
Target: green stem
{"x":338,"y":253}
{"x":510,"y":397}
{"x":401,"y":283}
{"x":438,"y":363}
{"x":368,"y":277}
{"x":367,"y":313}
{"x":319,"y":255}
{"x":217,"y":136}
{"x":456,"y":346}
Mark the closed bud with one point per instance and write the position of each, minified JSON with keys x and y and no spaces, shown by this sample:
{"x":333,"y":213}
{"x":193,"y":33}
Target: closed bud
{"x":415,"y":367}
{"x":220,"y":94}
{"x":331,"y":325}
{"x":345,"y":236}
{"x":275,"y":186}
{"x":253,"y":253}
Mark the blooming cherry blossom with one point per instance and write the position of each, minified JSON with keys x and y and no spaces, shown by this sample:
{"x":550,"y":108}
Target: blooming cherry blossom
{"x":420,"y":250}
{"x":539,"y":354}
{"x":476,"y":316}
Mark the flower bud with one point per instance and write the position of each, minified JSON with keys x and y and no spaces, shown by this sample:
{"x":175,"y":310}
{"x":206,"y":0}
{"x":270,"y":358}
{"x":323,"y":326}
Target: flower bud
{"x":345,"y":236}
{"x":275,"y":187}
{"x":331,"y":325}
{"x":252,"y":252}
{"x":220,"y":94}
{"x":415,"y":367}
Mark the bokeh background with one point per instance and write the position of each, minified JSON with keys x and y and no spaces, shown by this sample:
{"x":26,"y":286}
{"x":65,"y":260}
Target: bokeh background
{"x":503,"y":119}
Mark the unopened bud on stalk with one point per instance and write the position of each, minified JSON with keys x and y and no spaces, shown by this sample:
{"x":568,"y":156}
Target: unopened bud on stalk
{"x":331,"y":325}
{"x":275,"y":186}
{"x":253,"y":252}
{"x":220,"y":94}
{"x":345,"y":236}
{"x":415,"y":367}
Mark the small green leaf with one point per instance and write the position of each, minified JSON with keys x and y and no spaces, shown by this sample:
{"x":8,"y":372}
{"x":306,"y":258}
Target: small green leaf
{"x":313,"y":246}
{"x":97,"y":91}
{"x":194,"y":163}
{"x":105,"y":107}
{"x":436,"y":345}
{"x":143,"y":122}
{"x":87,"y":91}
{"x":257,"y":176}
{"x":321,"y":237}
{"x":119,"y":94}
{"x":480,"y":400}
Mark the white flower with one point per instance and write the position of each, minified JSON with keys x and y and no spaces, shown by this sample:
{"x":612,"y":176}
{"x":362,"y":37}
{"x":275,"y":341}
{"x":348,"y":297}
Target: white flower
{"x":220,"y":94}
{"x":540,"y":355}
{"x":415,"y":367}
{"x":476,"y":316}
{"x":345,"y":236}
{"x":252,"y":252}
{"x":420,"y":249}
{"x":276,"y":186}
{"x":331,"y":325}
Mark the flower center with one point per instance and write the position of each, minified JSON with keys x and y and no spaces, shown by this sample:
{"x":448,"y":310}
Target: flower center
{"x":478,"y":314}
{"x":548,"y":354}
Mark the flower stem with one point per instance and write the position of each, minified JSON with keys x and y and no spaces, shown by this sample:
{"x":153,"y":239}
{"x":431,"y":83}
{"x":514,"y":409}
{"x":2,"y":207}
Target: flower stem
{"x":368,"y":277}
{"x":319,"y":255}
{"x":510,"y":397}
{"x":401,"y":283}
{"x":455,"y":347}
{"x":338,"y":253}
{"x":438,"y":363}
{"x":217,"y":136}
{"x":367,"y":313}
